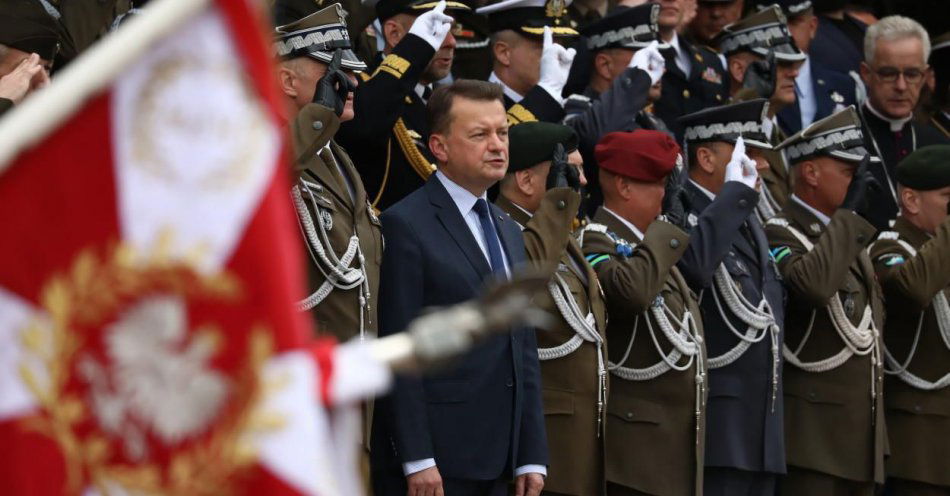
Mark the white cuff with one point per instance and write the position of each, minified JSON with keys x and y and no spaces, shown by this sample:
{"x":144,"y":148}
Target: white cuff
{"x":414,"y":466}
{"x":531,"y":469}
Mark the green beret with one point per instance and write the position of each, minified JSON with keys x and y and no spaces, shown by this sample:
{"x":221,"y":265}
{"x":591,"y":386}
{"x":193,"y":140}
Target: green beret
{"x":926,"y":169}
{"x":530,"y":143}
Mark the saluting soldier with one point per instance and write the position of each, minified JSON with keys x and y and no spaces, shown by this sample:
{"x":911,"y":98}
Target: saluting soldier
{"x":763,"y":62}
{"x":913,"y":266}
{"x":388,"y":138}
{"x":29,"y":41}
{"x":728,"y":262}
{"x":529,"y":65}
{"x":657,"y":358}
{"x":695,"y":77}
{"x":625,"y":70}
{"x":834,"y":410}
{"x":572,"y":354}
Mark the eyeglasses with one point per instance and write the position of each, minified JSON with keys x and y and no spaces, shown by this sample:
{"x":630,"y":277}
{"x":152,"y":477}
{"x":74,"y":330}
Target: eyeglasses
{"x":890,"y":74}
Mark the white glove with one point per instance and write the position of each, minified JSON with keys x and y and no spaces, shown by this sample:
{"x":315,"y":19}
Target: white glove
{"x":740,"y":167}
{"x":433,"y":25}
{"x":650,"y":60}
{"x":555,"y":66}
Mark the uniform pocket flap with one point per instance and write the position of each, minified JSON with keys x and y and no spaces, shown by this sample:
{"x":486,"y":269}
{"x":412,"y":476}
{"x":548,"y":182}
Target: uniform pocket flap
{"x":446,"y":391}
{"x":557,"y":401}
{"x":918,"y":403}
{"x":634,"y":410}
{"x":815,"y":392}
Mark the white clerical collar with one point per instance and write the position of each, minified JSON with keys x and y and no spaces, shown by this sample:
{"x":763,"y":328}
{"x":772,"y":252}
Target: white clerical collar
{"x":822,"y":217}
{"x":896,"y":124}
{"x":510,"y":93}
{"x":463,"y":198}
{"x":627,"y":223}
{"x":708,"y":193}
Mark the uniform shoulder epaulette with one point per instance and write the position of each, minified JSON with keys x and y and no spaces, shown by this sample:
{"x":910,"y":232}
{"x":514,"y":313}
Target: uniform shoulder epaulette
{"x":889,"y":235}
{"x":577,"y":97}
{"x":777,"y":221}
{"x":594,"y":227}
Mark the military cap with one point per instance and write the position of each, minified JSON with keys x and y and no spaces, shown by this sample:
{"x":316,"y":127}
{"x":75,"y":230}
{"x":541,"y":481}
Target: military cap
{"x":633,"y":27}
{"x":644,"y":155}
{"x":925,"y":169}
{"x":759,"y":33}
{"x":791,"y":8}
{"x":530,"y":143}
{"x":25,"y":26}
{"x":838,"y":136}
{"x":317,"y":36}
{"x":727,"y":123}
{"x":529,"y":17}
{"x":388,"y":8}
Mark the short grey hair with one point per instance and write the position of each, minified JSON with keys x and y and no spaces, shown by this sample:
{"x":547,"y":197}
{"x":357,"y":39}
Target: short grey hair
{"x":893,"y":28}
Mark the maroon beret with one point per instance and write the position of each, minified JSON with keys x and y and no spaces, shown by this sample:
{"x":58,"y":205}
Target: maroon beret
{"x":643,"y":155}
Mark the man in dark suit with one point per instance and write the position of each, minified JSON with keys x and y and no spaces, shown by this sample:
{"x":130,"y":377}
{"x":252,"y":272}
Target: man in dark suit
{"x":475,"y":425}
{"x":839,"y":38}
{"x":728,"y":262}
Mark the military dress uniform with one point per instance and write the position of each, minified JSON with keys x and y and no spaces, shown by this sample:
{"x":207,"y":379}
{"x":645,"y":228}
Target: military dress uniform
{"x":528,"y":18}
{"x":914,"y":271}
{"x":655,"y":422}
{"x":622,"y":107}
{"x":25,"y":26}
{"x":389,"y":137}
{"x":742,"y":305}
{"x":573,"y":352}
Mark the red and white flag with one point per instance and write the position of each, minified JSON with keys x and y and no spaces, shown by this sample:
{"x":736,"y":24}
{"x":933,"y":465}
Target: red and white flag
{"x":148,"y":265}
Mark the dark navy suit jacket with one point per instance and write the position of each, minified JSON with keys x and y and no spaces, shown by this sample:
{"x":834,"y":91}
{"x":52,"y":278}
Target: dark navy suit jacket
{"x":480,"y":416}
{"x":827,"y":85}
{"x":742,"y":429}
{"x":833,"y":49}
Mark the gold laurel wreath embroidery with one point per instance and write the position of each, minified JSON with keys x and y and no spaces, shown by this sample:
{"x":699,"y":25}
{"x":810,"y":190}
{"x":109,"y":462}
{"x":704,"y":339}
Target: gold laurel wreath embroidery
{"x":94,"y":289}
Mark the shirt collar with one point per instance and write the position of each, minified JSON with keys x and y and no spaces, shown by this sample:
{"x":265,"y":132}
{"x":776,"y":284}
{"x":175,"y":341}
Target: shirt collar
{"x":510,"y":93}
{"x":803,"y":80}
{"x":896,"y":124}
{"x":704,"y":190}
{"x":822,"y":217}
{"x":463,"y":198}
{"x":421,"y":90}
{"x":627,"y":223}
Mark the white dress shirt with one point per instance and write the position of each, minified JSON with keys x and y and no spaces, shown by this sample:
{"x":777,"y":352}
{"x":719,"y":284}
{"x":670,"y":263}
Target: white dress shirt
{"x":805,"y":92}
{"x":708,"y":193}
{"x":465,"y":201}
{"x":822,"y":217}
{"x":682,"y":58}
{"x":510,"y":93}
{"x":626,"y":223}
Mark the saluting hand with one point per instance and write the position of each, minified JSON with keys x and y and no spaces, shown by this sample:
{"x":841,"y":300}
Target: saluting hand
{"x":651,"y":61}
{"x":426,"y":482}
{"x":555,"y":65}
{"x":433,"y":26}
{"x":15,"y":85}
{"x":760,"y":76}
{"x":856,"y":199}
{"x":741,"y":168}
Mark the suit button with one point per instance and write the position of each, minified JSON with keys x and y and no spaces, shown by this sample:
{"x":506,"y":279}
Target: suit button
{"x":718,"y":98}
{"x":685,"y":93}
{"x":509,"y":383}
{"x":743,"y":203}
{"x":317,"y":125}
{"x":917,"y":408}
{"x":629,"y":415}
{"x":627,"y":82}
{"x":561,"y":205}
{"x":674,"y":243}
{"x":812,"y":395}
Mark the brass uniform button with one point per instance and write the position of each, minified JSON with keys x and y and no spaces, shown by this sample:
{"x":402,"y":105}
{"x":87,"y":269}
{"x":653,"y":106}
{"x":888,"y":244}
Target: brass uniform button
{"x":685,"y":93}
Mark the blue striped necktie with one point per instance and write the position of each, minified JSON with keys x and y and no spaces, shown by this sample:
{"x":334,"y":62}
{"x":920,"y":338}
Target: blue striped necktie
{"x":495,"y":257}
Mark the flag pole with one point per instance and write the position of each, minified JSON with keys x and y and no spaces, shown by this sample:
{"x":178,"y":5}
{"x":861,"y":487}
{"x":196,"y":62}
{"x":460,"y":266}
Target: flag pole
{"x":29,"y":122}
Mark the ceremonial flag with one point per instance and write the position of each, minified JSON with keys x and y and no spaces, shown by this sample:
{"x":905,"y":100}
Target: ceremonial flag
{"x":148,"y":266}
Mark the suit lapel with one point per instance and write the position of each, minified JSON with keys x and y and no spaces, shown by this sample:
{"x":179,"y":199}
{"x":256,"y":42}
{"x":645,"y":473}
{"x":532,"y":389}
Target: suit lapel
{"x":452,"y":221}
{"x":823,"y":104}
{"x":510,"y":236}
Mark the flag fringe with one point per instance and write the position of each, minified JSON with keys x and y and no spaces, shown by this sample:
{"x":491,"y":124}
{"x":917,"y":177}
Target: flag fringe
{"x":28,"y":123}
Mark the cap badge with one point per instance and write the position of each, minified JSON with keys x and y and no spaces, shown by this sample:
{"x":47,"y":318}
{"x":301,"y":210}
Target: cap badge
{"x":554,"y":8}
{"x":836,"y":97}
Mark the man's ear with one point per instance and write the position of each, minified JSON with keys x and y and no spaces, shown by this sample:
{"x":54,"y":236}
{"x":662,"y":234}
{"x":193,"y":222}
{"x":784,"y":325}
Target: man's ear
{"x":602,"y":64}
{"x":524,"y":180}
{"x":287,"y":79}
{"x":737,"y":67}
{"x":393,"y":32}
{"x":866,"y":73}
{"x":622,"y":186}
{"x":501,"y":51}
{"x":910,"y":201}
{"x":810,"y":173}
{"x":706,"y":159}
{"x":439,"y":147}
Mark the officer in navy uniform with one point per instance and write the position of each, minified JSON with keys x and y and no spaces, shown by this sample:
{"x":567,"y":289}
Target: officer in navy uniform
{"x":742,"y":302}
{"x":839,"y":40}
{"x":695,"y":77}
{"x":388,"y":138}
{"x":533,"y":87}
{"x":819,"y":90}
{"x":621,"y":84}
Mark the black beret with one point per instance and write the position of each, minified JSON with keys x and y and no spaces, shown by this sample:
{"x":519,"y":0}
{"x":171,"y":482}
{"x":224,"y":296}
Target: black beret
{"x":25,"y":26}
{"x":531,"y":143}
{"x":926,"y":169}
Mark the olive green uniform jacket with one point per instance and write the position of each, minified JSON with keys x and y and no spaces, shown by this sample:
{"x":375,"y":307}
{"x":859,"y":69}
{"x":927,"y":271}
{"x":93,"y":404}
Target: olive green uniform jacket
{"x":571,"y":387}
{"x":832,"y":424}
{"x":327,"y":203}
{"x":918,"y":421}
{"x":654,"y":438}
